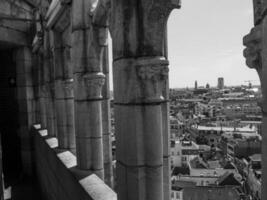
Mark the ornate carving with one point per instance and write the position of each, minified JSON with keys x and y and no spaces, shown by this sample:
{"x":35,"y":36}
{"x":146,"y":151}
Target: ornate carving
{"x":253,"y":43}
{"x":254,"y":59}
{"x":93,"y":83}
{"x":68,"y":88}
{"x":43,"y":91}
{"x":152,"y":73}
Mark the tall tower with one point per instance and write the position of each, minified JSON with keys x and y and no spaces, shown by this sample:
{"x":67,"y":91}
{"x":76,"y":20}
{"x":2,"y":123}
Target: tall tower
{"x":220,"y":83}
{"x":195,"y":85}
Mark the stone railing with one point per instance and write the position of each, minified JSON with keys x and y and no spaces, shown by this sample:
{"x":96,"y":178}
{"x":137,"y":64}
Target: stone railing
{"x":58,"y":176}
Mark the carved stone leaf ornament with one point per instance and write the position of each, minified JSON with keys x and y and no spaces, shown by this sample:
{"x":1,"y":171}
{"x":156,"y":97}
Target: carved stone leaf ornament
{"x":68,"y":88}
{"x":93,"y":83}
{"x":153,"y":75}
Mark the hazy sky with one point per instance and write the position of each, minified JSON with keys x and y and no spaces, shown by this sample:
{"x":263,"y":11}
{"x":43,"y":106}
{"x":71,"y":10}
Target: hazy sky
{"x":205,"y":42}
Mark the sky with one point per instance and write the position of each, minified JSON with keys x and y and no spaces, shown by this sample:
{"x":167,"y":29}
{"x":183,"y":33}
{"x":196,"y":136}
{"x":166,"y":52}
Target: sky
{"x":205,"y":42}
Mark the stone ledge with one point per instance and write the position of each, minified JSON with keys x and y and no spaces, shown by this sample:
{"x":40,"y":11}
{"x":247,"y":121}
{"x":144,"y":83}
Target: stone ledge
{"x":58,"y":175}
{"x":97,"y":188}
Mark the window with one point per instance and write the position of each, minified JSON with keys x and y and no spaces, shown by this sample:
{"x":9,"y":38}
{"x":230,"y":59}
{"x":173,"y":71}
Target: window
{"x":177,"y":195}
{"x":172,"y":195}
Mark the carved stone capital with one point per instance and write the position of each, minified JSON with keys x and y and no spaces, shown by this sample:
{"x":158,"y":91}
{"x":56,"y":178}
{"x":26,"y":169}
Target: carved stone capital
{"x":153,"y":73}
{"x":93,"y":83}
{"x":68,"y":88}
{"x":64,"y":88}
{"x":140,"y":80}
{"x":43,"y":91}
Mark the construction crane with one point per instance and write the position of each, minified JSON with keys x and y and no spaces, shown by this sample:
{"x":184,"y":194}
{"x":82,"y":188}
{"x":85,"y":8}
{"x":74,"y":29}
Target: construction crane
{"x":250,"y":82}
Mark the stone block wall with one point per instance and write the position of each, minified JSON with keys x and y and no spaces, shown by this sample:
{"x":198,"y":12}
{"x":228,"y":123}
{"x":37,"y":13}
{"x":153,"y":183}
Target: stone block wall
{"x":58,"y":176}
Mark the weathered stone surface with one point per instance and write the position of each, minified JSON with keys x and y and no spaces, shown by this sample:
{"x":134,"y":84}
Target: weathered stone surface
{"x":13,"y":37}
{"x":80,"y":11}
{"x":58,"y":15}
{"x":144,"y":35}
{"x":52,"y":142}
{"x":142,"y":145}
{"x":87,"y":124}
{"x":97,"y":189}
{"x":89,"y":85}
{"x":138,"y":30}
{"x":43,"y":132}
{"x":140,"y":80}
{"x":145,"y":181}
{"x":88,"y":43}
{"x":59,"y":178}
{"x":253,"y":41}
{"x":68,"y":159}
{"x":89,"y":156}
{"x":37,"y":126}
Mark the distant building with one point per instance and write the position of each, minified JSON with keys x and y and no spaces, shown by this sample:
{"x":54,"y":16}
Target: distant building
{"x":240,"y":144}
{"x":211,"y":168}
{"x":195,"y":85}
{"x":183,"y":151}
{"x":254,"y":176}
{"x":207,"y":86}
{"x":207,"y":193}
{"x":220,"y":83}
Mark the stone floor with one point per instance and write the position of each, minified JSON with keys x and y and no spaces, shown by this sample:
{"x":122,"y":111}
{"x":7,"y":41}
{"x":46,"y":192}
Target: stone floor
{"x":24,"y":188}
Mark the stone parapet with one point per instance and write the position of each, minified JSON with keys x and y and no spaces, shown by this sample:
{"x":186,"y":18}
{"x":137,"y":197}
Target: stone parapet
{"x":58,"y":175}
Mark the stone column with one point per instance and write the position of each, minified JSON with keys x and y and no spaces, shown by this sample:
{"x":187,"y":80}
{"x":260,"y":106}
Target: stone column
{"x":42,"y":91}
{"x":108,"y":168}
{"x":166,"y":132}
{"x":255,"y":53}
{"x":1,"y":172}
{"x":166,"y":142}
{"x":140,"y":75}
{"x":64,"y":97}
{"x":35,"y":75}
{"x":49,"y":85}
{"x":26,"y":104}
{"x":86,"y":55}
